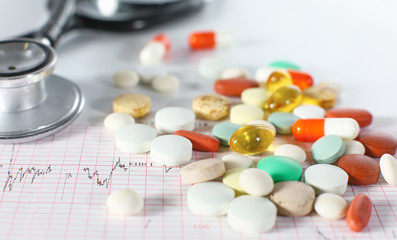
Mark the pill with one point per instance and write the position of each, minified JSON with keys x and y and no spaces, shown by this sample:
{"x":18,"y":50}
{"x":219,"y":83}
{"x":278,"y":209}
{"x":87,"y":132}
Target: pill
{"x":326,"y":178}
{"x":327,"y":149}
{"x":200,"y":142}
{"x":251,"y":214}
{"x":233,"y":86}
{"x":324,"y":97}
{"x":211,"y":107}
{"x":254,"y":96}
{"x":329,"y":84}
{"x":224,"y":131}
{"x":209,"y":40}
{"x":125,"y":202}
{"x":309,"y":111}
{"x":171,"y":150}
{"x":284,"y":99}
{"x":353,"y":147}
{"x":283,"y":121}
{"x":284,"y":64}
{"x":256,"y":182}
{"x":276,"y":80}
{"x":359,"y":212}
{"x":377,"y":143}
{"x":234,"y":73}
{"x":114,"y":121}
{"x":165,"y":83}
{"x":362,"y":116}
{"x":232,"y":179}
{"x":211,"y":67}
{"x":293,"y":198}
{"x":291,"y":151}
{"x":126,"y":79}
{"x":135,"y":138}
{"x":281,"y":168}
{"x":309,"y":130}
{"x":301,"y":79}
{"x":236,"y":160}
{"x":264,"y":123}
{"x":202,"y":171}
{"x":362,"y":170}
{"x":330,"y":206}
{"x":171,"y":119}
{"x":388,"y":167}
{"x":251,"y":139}
{"x":244,"y":113}
{"x":134,"y":104}
{"x":209,"y":198}
{"x":156,"y":50}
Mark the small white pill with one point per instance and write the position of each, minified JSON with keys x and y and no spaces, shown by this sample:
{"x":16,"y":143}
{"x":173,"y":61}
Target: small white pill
{"x":153,"y":53}
{"x":331,"y":206}
{"x":256,"y":182}
{"x":254,"y":96}
{"x":262,"y":74}
{"x":126,"y":79}
{"x":236,"y":160}
{"x":244,"y":113}
{"x":388,"y":167}
{"x":209,"y":198}
{"x":326,"y":178}
{"x":125,"y":202}
{"x":234,"y":73}
{"x":135,"y":138}
{"x":353,"y":147}
{"x":171,"y":119}
{"x":211,"y":68}
{"x":265,"y":123}
{"x":165,"y":83}
{"x":171,"y":150}
{"x":251,"y":214}
{"x":114,"y":121}
{"x":291,"y":151}
{"x":309,"y":111}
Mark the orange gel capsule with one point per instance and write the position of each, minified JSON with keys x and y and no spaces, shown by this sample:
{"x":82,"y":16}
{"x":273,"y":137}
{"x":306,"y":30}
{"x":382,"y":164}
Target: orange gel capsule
{"x":359,"y":212}
{"x":301,"y":79}
{"x":209,"y":40}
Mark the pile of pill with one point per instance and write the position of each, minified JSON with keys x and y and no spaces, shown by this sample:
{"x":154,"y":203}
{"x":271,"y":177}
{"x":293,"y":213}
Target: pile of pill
{"x":281,"y":100}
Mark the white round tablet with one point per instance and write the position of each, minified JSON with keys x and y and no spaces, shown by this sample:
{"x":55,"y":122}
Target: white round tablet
{"x":234,"y":73}
{"x":256,"y":182}
{"x":114,"y":121}
{"x":244,"y":113}
{"x":171,"y":119}
{"x":236,"y":160}
{"x":171,"y":150}
{"x":291,"y":151}
{"x":126,"y":79}
{"x":124,"y":202}
{"x":265,"y":123}
{"x":135,"y":138}
{"x":353,"y":147}
{"x":211,"y":68}
{"x":326,"y":178}
{"x":165,"y":83}
{"x":330,"y":206}
{"x":388,"y":167}
{"x":209,"y":198}
{"x":251,"y":214}
{"x":309,"y":111}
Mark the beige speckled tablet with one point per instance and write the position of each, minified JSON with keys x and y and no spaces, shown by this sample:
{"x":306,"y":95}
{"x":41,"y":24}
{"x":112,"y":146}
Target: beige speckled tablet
{"x":211,"y":107}
{"x":202,"y":171}
{"x":134,"y":104}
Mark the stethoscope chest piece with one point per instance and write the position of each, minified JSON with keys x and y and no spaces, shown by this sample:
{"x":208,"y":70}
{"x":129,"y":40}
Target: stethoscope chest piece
{"x":33,"y":102}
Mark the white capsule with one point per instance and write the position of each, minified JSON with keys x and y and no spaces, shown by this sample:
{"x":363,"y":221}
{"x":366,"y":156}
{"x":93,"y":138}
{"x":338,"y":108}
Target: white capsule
{"x":346,"y":128}
{"x":152,"y":54}
{"x":388,"y":167}
{"x":309,"y":111}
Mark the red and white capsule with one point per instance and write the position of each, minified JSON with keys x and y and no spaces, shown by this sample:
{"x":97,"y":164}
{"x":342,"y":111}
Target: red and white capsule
{"x":209,"y":40}
{"x":309,"y":130}
{"x":156,"y":50}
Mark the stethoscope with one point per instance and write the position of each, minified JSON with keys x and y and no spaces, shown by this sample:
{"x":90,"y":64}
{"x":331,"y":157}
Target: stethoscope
{"x":34,"y":103}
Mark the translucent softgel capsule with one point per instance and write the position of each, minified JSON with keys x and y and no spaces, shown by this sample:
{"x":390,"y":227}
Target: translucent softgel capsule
{"x":324,"y":97}
{"x":284,"y":99}
{"x":277,"y":80}
{"x":251,"y":139}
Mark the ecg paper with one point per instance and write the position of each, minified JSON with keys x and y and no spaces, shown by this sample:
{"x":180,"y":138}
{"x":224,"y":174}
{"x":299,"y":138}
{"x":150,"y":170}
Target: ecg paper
{"x":56,"y":188}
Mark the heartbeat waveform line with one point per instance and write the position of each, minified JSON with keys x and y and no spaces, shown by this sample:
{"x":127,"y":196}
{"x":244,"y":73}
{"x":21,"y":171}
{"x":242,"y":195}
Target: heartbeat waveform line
{"x":22,"y":173}
{"x":105,"y":182}
{"x":67,"y":176}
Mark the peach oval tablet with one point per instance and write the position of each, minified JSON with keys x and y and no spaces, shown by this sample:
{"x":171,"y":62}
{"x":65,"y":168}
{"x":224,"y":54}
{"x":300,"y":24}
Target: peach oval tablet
{"x":362,"y":170}
{"x":359,"y":212}
{"x":362,"y":116}
{"x":377,"y":143}
{"x":234,"y":86}
{"x":202,"y":171}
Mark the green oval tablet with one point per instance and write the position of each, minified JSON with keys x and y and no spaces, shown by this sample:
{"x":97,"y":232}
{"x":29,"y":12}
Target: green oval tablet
{"x":327,"y":149}
{"x":284,"y":64}
{"x":281,"y":168}
{"x":283,"y":121}
{"x":223,"y":131}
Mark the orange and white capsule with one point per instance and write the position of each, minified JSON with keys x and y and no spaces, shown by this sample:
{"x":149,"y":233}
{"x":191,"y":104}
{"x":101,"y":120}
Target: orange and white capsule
{"x":209,"y":40}
{"x":309,"y":130}
{"x":155,"y":51}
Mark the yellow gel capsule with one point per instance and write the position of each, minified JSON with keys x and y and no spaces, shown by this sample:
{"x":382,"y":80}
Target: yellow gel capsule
{"x":277,"y":80}
{"x":321,"y":96}
{"x":284,"y":99}
{"x":251,"y":139}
